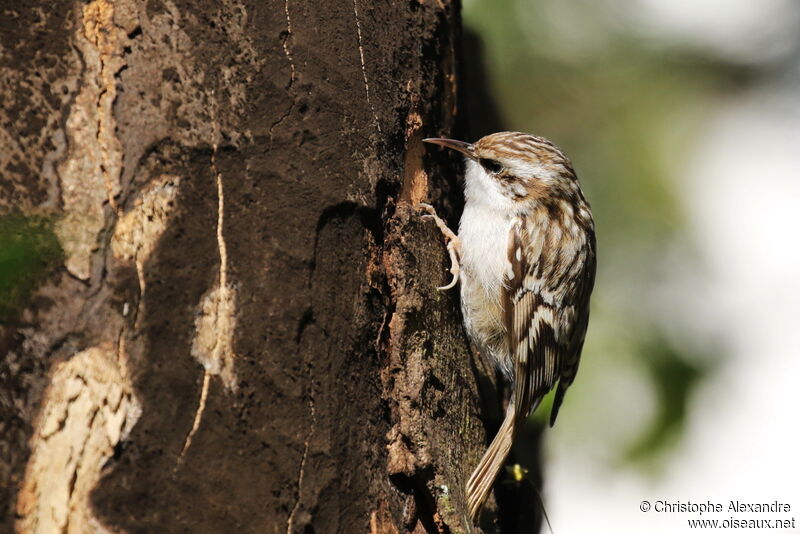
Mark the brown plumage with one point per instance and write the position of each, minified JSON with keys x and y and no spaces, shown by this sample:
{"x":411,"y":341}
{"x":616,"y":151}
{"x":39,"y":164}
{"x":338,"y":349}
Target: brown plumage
{"x":525,"y":257}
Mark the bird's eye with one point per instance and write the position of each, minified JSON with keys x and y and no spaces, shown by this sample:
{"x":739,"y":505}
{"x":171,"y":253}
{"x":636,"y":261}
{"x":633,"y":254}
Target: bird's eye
{"x":491,"y":165}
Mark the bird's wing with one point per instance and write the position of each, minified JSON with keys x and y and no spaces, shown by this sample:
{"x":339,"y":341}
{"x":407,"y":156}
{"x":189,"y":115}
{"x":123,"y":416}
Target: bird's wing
{"x":575,"y":314}
{"x":545,"y":318}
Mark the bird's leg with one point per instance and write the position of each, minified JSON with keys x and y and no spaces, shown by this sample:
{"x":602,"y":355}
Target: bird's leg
{"x":453,"y":244}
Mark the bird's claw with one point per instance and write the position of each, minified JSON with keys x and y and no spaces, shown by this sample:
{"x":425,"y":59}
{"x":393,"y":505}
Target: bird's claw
{"x":430,"y":211}
{"x":451,"y":285}
{"x":453,"y":244}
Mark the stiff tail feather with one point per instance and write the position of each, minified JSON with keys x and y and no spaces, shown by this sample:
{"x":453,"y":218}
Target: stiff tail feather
{"x":482,"y":479}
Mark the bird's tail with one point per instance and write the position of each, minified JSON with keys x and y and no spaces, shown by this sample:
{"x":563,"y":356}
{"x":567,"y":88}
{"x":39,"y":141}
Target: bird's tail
{"x":482,"y":479}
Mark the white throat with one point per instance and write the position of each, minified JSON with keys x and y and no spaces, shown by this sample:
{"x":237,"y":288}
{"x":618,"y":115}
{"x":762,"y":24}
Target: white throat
{"x":481,"y":189}
{"x":483,"y":231}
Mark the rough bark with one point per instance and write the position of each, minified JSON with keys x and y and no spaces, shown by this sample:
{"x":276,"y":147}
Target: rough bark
{"x":241,"y":333}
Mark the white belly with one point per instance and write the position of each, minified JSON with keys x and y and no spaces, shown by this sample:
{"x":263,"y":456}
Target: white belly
{"x":483,"y":233}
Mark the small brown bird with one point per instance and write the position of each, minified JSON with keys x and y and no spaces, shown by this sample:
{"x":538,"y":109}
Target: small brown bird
{"x":525,"y":257}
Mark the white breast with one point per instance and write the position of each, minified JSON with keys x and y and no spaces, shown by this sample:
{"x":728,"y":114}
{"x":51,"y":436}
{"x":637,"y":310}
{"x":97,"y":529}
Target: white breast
{"x":484,"y":228}
{"x":483,"y":232}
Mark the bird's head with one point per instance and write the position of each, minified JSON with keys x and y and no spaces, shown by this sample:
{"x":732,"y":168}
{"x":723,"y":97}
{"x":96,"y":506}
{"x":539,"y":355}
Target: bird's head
{"x":516,"y":166}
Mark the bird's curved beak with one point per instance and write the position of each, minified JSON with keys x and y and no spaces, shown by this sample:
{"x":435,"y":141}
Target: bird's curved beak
{"x":465,"y":148}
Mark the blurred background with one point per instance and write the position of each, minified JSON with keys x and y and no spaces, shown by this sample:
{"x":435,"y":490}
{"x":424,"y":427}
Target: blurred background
{"x":683,"y":122}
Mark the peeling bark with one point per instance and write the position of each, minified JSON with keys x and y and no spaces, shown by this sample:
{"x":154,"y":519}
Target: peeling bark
{"x":244,"y":334}
{"x":88,"y":408}
{"x":89,"y":175}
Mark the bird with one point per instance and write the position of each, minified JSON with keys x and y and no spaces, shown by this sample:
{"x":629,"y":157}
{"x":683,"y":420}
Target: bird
{"x":525,"y":258}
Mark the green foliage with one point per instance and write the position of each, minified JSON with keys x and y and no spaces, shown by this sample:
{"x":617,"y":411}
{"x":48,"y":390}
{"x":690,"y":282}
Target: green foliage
{"x":674,"y":379}
{"x":28,"y":250}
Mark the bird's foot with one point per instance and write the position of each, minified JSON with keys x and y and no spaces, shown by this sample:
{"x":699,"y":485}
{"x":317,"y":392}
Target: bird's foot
{"x":453,"y":244}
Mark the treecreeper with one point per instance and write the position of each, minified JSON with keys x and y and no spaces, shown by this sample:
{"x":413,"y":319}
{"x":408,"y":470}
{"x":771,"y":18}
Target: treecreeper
{"x":525,"y":257}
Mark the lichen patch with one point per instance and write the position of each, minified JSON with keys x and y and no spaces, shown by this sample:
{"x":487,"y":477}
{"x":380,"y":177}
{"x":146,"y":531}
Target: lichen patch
{"x":215,"y":324}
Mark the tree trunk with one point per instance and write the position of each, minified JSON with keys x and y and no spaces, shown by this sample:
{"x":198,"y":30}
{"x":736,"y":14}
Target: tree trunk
{"x":241,"y":331}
